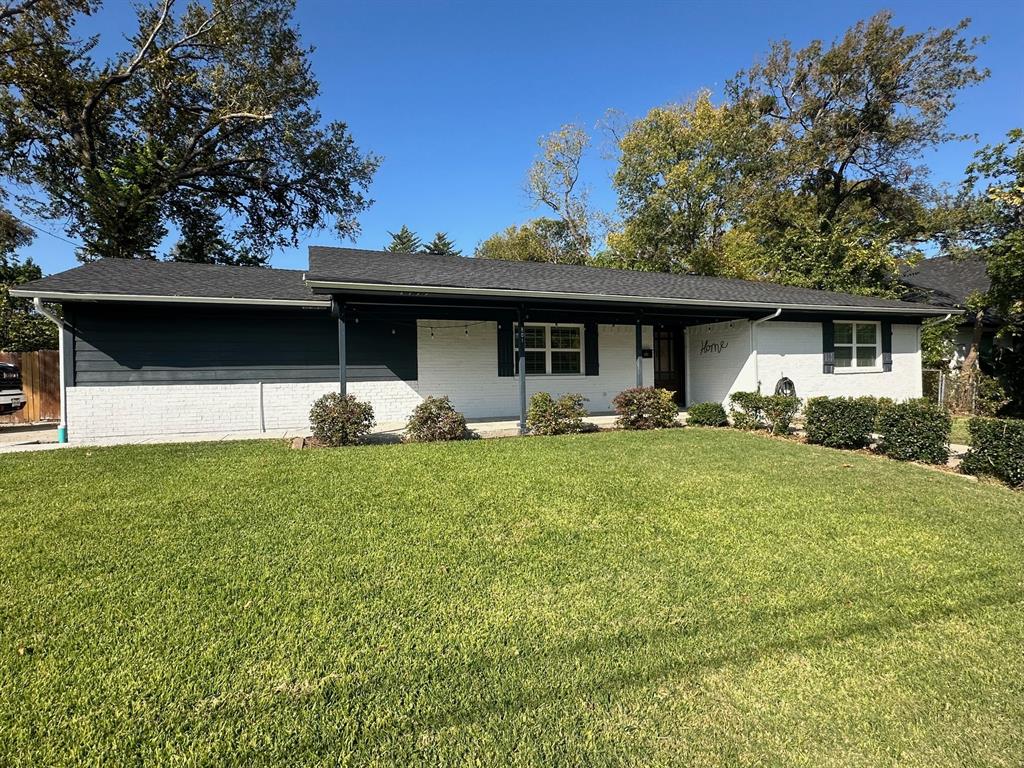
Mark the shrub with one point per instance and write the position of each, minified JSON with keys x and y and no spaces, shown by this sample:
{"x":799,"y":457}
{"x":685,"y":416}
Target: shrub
{"x":779,"y":411}
{"x":916,"y":430}
{"x":997,"y":449}
{"x":840,"y":422}
{"x":547,"y":416}
{"x":340,"y":419}
{"x":645,"y":408}
{"x":746,"y":410}
{"x":706,"y":415}
{"x":435,"y":419}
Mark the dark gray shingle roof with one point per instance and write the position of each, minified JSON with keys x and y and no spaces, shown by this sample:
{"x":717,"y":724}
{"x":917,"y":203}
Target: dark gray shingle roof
{"x":350,"y":265}
{"x":177,"y":279}
{"x":946,"y":282}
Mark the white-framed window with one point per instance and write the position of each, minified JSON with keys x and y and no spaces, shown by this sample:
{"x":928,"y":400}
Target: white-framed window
{"x":552,"y":348}
{"x":857,"y":346}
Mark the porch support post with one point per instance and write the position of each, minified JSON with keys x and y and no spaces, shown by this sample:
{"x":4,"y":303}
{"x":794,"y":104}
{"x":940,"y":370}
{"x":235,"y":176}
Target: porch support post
{"x":521,"y":340}
{"x":639,"y":353}
{"x":339,"y":309}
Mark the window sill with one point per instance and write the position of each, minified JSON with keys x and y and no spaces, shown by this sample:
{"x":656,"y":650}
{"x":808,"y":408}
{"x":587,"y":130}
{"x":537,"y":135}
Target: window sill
{"x":847,"y":371}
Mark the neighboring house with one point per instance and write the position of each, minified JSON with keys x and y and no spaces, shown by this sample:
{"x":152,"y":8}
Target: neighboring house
{"x":950,"y":283}
{"x":153,"y":348}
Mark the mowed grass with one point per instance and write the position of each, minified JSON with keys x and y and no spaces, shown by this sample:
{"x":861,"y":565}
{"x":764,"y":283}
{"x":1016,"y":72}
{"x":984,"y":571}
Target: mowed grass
{"x":688,"y":597}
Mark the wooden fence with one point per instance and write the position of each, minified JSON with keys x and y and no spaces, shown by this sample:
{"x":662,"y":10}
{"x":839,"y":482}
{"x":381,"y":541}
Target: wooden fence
{"x":40,"y":379}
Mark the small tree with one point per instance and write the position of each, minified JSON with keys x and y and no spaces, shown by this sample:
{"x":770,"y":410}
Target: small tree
{"x":21,"y":329}
{"x":441,"y":245}
{"x":404,"y":241}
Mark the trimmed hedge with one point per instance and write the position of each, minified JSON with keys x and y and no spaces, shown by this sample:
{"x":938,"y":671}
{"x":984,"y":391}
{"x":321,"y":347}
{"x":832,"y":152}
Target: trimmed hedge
{"x":706,"y":415}
{"x":916,"y":430}
{"x":565,"y":416}
{"x":752,"y":410}
{"x":645,"y":408}
{"x":840,"y":422}
{"x":339,"y":419}
{"x":997,"y":450}
{"x":435,"y":419}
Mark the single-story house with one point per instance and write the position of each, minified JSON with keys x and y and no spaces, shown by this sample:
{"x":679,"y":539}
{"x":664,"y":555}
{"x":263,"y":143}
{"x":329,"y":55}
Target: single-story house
{"x":154,"y":348}
{"x":946,"y":282}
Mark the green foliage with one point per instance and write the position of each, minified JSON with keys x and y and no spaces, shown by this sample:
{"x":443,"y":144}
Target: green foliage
{"x":565,"y":416}
{"x":553,"y":182}
{"x":339,"y":419}
{"x":441,"y":245}
{"x":997,"y":450}
{"x":538,"y":240}
{"x":21,"y":329}
{"x":706,"y":415}
{"x":202,"y":241}
{"x":840,"y":422}
{"x":916,"y":430}
{"x":752,"y":410}
{"x":206,"y":112}
{"x":937,"y":342}
{"x":435,"y":419}
{"x":645,"y":408}
{"x":404,"y":241}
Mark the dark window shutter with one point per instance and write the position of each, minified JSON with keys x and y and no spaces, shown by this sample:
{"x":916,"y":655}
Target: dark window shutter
{"x":886,"y":345}
{"x":828,"y":349}
{"x":506,"y":349}
{"x":590,"y":349}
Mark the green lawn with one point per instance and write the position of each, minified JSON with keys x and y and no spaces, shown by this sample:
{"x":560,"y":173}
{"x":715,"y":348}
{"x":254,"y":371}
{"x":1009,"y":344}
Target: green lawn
{"x":960,"y":433}
{"x":688,"y":597}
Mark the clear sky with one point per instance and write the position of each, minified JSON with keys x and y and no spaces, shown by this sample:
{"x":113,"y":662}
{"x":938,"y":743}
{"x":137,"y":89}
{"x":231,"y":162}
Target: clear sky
{"x":453,"y":95}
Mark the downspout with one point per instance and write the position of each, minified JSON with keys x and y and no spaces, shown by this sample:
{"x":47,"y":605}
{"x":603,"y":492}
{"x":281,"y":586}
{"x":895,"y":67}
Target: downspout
{"x":753,"y":343}
{"x":62,"y":427}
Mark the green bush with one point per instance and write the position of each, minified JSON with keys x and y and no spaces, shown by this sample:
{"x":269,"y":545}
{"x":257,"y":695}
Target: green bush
{"x":435,"y":419}
{"x":752,"y":410}
{"x":916,"y":430}
{"x":746,"y":410}
{"x":779,"y":411}
{"x":565,"y":416}
{"x":706,"y":415}
{"x":645,"y":408}
{"x":340,"y":419}
{"x":840,"y":422}
{"x":997,"y":449}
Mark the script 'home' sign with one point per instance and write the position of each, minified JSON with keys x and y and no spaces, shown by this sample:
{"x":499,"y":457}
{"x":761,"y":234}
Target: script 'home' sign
{"x":713,"y":347}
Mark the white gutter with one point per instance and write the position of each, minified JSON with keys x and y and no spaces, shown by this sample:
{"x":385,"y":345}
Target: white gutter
{"x":611,"y":297}
{"x":753,"y":343}
{"x":62,"y":427}
{"x":61,"y":296}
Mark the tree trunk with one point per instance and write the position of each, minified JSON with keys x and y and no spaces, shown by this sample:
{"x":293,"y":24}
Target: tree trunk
{"x":966,"y":384}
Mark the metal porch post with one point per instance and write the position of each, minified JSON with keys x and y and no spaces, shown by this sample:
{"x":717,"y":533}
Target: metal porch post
{"x":342,"y":361}
{"x":639,"y":354}
{"x":521,"y":338}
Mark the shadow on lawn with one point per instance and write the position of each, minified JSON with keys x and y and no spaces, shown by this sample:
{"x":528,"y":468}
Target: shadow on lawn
{"x":686,"y":653}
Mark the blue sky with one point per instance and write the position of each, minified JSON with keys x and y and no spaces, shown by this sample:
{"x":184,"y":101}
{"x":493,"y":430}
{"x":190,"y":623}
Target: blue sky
{"x":453,"y":95}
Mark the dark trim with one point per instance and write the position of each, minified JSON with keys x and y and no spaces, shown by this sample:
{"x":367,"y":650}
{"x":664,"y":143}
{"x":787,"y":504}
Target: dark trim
{"x":506,"y":348}
{"x":591,"y":360}
{"x":828,"y":348}
{"x":886,"y":346}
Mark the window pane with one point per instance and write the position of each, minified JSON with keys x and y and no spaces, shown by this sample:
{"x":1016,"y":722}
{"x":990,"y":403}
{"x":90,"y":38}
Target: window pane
{"x":535,"y":363}
{"x":535,"y":337}
{"x":866,"y":333}
{"x":565,"y":362}
{"x":844,"y":357}
{"x":565,"y":338}
{"x":865,"y":357}
{"x":843,"y":333}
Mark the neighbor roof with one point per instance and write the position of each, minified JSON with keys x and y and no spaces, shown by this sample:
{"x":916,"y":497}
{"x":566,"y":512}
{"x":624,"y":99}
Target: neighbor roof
{"x":946,"y":282}
{"x":354,"y":269}
{"x":174,"y":281}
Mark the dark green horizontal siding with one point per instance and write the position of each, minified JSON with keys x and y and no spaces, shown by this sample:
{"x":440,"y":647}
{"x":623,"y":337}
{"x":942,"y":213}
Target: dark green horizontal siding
{"x":130,"y":344}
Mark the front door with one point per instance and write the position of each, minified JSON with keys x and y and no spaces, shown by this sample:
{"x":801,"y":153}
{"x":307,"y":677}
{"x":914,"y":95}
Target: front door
{"x":668,"y":361}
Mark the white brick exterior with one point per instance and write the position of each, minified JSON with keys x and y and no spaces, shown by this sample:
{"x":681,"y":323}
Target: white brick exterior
{"x":794,"y":350}
{"x":455,"y":359}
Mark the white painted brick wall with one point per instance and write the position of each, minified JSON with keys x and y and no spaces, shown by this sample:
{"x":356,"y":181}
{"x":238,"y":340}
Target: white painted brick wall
{"x":451,"y":362}
{"x":791,"y":349}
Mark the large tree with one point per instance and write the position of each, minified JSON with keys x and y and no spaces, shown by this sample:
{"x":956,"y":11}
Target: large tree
{"x":553,"y":182}
{"x":204,"y":123}
{"x":537,"y":240}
